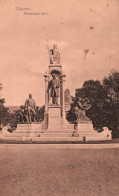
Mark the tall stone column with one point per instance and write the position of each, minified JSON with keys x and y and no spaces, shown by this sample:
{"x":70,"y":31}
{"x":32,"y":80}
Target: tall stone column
{"x":46,"y":102}
{"x":62,"y":95}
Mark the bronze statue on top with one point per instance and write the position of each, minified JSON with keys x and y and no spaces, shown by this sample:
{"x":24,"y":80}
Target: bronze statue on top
{"x":54,"y":55}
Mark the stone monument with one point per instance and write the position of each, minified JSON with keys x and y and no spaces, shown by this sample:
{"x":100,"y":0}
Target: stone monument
{"x":55,"y":127}
{"x":85,"y":127}
{"x":27,"y":127}
{"x":54,"y":92}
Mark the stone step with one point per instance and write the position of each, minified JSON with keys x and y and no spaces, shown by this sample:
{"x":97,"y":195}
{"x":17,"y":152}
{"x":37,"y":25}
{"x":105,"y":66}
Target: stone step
{"x":28,"y":131}
{"x":47,"y":131}
{"x":29,"y":126}
{"x":42,"y":135}
{"x":12,"y":138}
{"x":56,"y":135}
{"x":23,"y":135}
{"x":88,"y":134}
{"x":55,"y":139}
{"x":68,"y":127}
{"x":59,"y":131}
{"x":85,"y":126}
{"x":94,"y":138}
{"x":33,"y":127}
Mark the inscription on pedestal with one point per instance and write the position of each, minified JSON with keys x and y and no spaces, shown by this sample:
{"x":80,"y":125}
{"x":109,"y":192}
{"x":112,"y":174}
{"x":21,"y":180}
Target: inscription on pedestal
{"x":54,"y":120}
{"x":55,"y":111}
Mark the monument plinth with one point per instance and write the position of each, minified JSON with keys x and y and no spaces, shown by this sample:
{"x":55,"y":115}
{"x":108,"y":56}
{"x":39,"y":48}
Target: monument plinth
{"x":54,"y":94}
{"x":85,"y":127}
{"x":54,"y":117}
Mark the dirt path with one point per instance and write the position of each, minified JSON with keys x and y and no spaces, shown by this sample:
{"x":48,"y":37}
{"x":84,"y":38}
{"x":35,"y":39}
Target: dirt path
{"x":59,"y":170}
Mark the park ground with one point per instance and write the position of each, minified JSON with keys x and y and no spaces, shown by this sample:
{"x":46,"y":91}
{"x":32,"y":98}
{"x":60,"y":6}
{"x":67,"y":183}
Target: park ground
{"x":59,"y":169}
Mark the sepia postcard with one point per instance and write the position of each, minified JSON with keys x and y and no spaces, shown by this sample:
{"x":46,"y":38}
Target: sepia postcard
{"x":59,"y":97}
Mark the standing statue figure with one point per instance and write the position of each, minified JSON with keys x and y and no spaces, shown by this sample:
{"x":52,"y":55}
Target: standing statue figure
{"x":30,"y":107}
{"x":54,"y":55}
{"x":54,"y":85}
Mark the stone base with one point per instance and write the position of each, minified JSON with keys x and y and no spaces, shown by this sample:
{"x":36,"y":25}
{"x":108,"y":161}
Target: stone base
{"x":45,"y":122}
{"x":34,"y":132}
{"x":24,"y":130}
{"x":54,"y":117}
{"x":58,"y":133}
{"x":33,"y":127}
{"x":87,"y":133}
{"x":57,"y":126}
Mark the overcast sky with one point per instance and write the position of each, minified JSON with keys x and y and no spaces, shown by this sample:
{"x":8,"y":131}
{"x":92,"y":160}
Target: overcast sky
{"x":76,"y":26}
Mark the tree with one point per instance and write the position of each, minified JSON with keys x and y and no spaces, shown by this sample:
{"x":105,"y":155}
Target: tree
{"x":92,"y":93}
{"x":104,"y":100}
{"x":5,"y":116}
{"x":2,"y":101}
{"x":40,"y":113}
{"x":111,"y":86}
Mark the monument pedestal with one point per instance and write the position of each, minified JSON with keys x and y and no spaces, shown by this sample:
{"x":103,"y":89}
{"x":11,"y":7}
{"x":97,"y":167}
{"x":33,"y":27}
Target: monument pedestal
{"x":57,"y":125}
{"x":29,"y":128}
{"x":24,"y":130}
{"x":54,"y":117}
{"x":87,"y":133}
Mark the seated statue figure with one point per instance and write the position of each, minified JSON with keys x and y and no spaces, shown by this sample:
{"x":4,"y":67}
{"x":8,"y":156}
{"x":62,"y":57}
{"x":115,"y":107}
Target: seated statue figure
{"x":30,"y":107}
{"x":80,"y":110}
{"x":54,"y":55}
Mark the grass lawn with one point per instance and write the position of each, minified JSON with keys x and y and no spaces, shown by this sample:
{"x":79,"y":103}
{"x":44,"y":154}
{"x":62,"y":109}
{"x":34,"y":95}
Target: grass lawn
{"x":32,"y":170}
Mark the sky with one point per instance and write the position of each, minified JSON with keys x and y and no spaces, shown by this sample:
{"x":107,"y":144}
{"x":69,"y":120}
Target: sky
{"x":86,"y":33}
